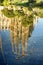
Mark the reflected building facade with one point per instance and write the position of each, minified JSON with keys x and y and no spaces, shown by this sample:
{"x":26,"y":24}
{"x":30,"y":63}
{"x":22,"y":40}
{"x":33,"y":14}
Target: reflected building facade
{"x":18,"y":33}
{"x":19,"y":37}
{"x":4,"y":22}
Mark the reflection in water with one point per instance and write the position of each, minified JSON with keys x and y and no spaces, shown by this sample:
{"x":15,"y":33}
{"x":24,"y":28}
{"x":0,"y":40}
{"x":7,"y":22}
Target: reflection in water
{"x":19,"y":36}
{"x":18,"y":33}
{"x":24,"y":39}
{"x":31,"y":50}
{"x":4,"y":22}
{"x":1,"y":50}
{"x":0,"y":43}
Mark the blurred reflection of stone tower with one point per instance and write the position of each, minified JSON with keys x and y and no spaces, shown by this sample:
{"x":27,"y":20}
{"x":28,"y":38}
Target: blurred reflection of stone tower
{"x":15,"y":29}
{"x":25,"y":31}
{"x":19,"y":36}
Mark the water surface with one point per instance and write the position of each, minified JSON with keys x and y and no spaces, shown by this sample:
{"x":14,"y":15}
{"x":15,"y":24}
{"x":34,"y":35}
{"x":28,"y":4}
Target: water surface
{"x":27,"y":50}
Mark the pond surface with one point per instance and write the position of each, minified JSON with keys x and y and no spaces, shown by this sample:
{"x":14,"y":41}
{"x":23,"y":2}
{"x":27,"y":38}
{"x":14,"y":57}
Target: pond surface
{"x":28,"y":51}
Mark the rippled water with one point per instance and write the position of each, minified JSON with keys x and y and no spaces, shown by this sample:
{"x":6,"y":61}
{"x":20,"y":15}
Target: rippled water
{"x":28,"y":51}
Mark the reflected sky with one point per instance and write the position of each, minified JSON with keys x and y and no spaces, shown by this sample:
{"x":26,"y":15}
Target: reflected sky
{"x":38,"y":28}
{"x":22,"y":47}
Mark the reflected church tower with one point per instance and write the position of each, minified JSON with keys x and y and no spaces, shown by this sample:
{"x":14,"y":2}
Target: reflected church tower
{"x":15,"y":34}
{"x":25,"y":31}
{"x":19,"y":36}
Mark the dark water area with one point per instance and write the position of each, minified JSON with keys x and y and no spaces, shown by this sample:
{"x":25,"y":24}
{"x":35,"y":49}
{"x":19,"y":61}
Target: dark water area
{"x":33,"y":52}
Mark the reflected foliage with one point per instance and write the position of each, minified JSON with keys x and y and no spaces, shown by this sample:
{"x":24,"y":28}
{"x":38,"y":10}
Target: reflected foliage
{"x":8,"y":13}
{"x":31,"y":4}
{"x":27,"y":19}
{"x":33,"y":8}
{"x":19,"y":13}
{"x":1,"y":2}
